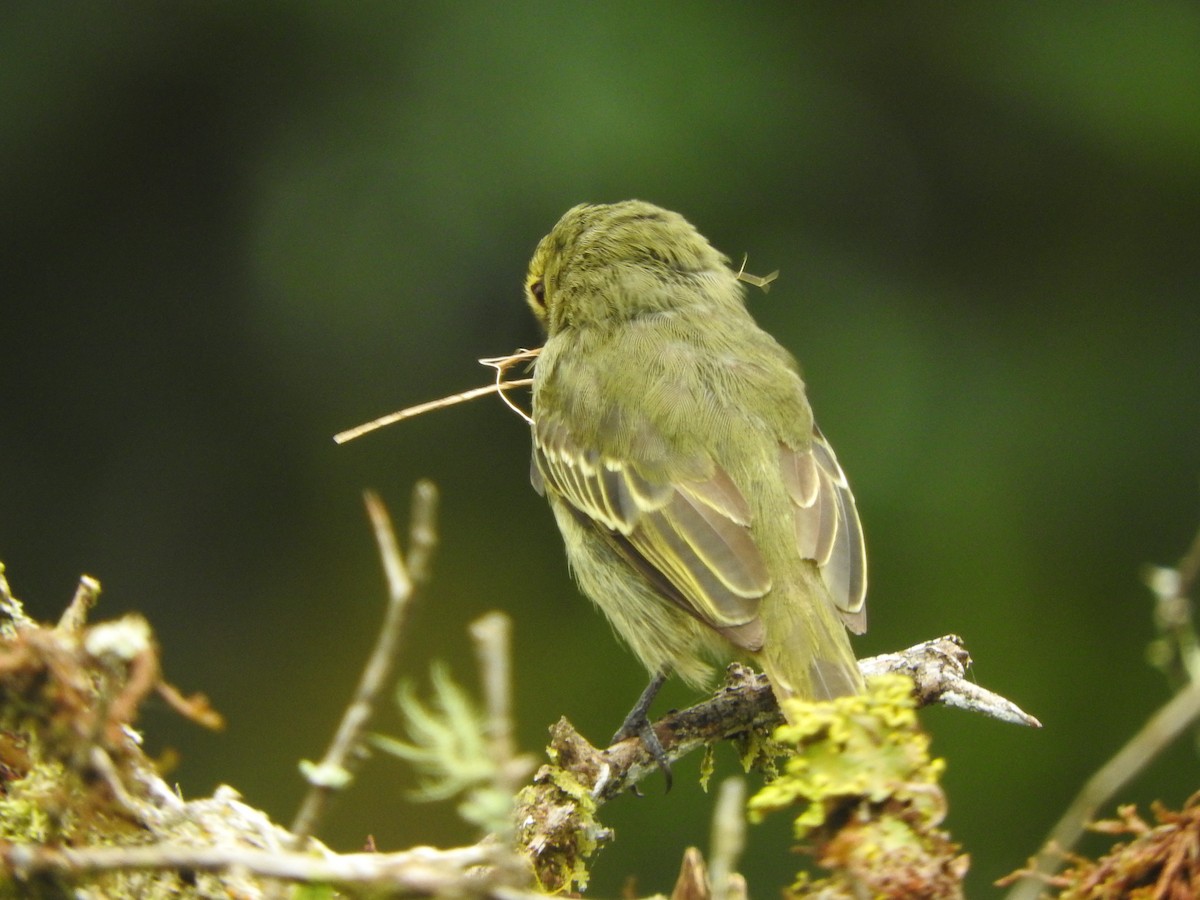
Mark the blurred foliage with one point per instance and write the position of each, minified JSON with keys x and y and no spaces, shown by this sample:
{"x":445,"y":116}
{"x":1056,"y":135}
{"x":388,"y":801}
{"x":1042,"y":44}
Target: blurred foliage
{"x":450,"y":752}
{"x":1159,"y":861}
{"x":232,"y":229}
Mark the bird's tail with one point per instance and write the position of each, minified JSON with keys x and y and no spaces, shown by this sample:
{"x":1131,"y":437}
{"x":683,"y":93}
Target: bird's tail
{"x":806,"y":652}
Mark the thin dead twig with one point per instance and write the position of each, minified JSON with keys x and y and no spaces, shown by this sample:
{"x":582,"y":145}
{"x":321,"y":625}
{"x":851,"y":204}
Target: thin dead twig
{"x":500,"y":363}
{"x":491,"y":634}
{"x":335,"y":770}
{"x":421,"y":871}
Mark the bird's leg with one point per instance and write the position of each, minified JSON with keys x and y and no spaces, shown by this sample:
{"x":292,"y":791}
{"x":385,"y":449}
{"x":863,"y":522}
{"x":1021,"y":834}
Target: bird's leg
{"x":638,"y":723}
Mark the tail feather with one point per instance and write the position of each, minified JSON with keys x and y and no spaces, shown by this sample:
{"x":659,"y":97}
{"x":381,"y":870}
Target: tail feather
{"x":806,"y":652}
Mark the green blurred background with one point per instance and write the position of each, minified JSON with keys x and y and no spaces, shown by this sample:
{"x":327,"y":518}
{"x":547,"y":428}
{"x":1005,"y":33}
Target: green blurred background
{"x":232,"y":229}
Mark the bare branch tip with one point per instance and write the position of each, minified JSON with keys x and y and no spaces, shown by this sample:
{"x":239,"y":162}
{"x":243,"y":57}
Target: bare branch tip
{"x":87,"y":595}
{"x":425,"y":499}
{"x":374,"y":504}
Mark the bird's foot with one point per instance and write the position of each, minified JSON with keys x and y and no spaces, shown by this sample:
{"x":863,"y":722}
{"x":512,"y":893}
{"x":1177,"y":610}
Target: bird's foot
{"x":637,"y":724}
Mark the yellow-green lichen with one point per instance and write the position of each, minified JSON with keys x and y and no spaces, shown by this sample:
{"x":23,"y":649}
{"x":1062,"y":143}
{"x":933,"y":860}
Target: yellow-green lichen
{"x":708,"y":765}
{"x":557,"y":830}
{"x":865,"y":797}
{"x":24,"y":815}
{"x":865,"y":747}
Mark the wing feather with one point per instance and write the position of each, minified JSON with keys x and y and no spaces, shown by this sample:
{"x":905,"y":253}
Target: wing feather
{"x":828,"y":530}
{"x":692,"y":538}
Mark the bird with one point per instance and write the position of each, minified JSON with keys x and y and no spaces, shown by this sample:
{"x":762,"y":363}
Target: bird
{"x":702,"y":509}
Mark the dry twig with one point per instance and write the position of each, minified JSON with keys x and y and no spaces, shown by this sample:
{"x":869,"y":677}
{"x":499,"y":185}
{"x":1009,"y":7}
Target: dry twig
{"x":334,"y":771}
{"x":421,"y":871}
{"x":491,"y":634}
{"x":500,"y":363}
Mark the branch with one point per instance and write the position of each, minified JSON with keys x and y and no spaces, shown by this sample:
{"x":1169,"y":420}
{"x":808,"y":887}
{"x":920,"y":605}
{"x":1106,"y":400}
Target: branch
{"x":334,"y":771}
{"x":421,"y":871}
{"x":937,"y":667}
{"x":230,"y":847}
{"x":555,"y":814}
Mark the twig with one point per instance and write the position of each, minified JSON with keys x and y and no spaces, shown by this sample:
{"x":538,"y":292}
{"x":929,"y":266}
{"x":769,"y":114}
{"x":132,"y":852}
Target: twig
{"x":762,"y":282}
{"x":400,"y":415}
{"x":87,"y":595}
{"x":500,"y":363}
{"x":421,"y":871}
{"x":728,"y":836}
{"x":422,"y":531}
{"x":1179,"y":713}
{"x":100,"y":764}
{"x":491,"y":634}
{"x":938,"y":669}
{"x":335,"y":769}
{"x":1177,"y":651}
{"x":196,"y":707}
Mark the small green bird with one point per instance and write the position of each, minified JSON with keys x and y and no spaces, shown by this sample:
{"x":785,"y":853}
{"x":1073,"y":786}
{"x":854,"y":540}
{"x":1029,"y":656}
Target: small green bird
{"x":701,"y":508}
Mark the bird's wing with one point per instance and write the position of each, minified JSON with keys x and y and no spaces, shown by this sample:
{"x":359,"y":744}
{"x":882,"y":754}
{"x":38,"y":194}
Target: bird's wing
{"x":827,"y":527}
{"x":689,"y":538}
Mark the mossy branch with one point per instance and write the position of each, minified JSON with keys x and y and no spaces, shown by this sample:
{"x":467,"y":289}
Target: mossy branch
{"x":556,"y":815}
{"x":72,"y":692}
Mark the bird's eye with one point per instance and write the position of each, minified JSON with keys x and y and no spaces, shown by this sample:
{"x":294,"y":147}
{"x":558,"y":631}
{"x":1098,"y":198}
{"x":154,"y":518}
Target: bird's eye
{"x":538,"y":290}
